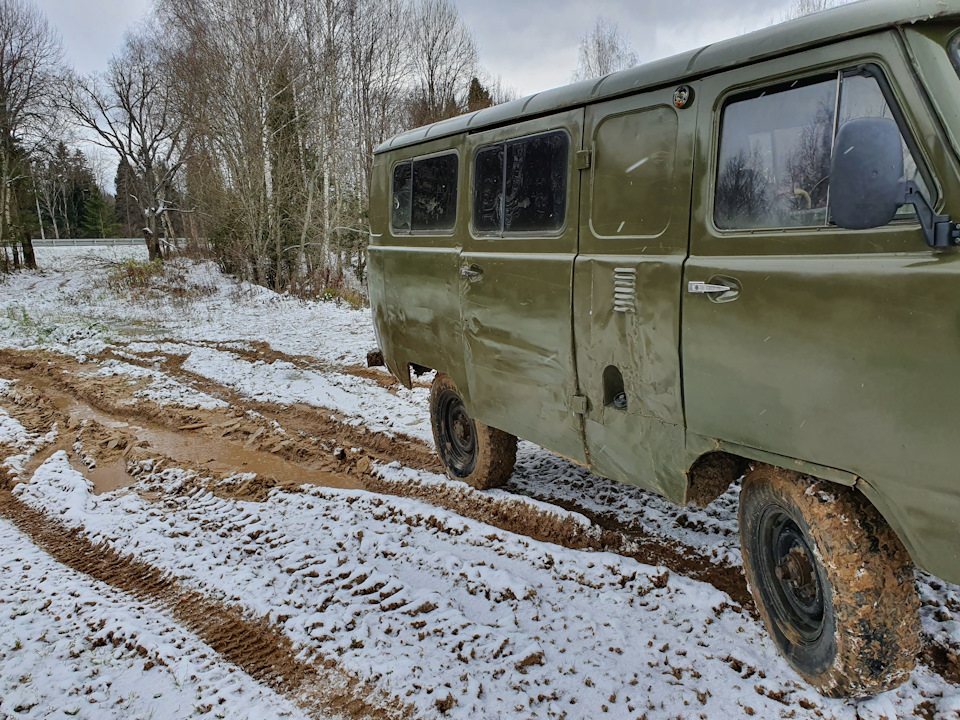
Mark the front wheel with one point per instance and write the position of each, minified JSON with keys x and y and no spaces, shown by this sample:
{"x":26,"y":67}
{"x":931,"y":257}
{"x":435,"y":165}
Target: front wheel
{"x":832,"y":582}
{"x":470,"y":451}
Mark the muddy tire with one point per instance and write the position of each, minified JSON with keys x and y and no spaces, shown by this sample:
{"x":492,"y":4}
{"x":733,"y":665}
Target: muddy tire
{"x":833,"y":583}
{"x":470,"y":451}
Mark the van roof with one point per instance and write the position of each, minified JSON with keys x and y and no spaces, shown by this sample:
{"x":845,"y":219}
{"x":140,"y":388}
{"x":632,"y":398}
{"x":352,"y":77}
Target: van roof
{"x":820,"y":28}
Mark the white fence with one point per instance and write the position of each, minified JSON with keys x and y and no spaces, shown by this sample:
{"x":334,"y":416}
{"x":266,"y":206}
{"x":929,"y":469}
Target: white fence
{"x":93,"y":242}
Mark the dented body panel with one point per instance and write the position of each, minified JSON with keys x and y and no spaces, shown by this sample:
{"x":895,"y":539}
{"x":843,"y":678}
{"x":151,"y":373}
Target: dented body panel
{"x":831,"y":352}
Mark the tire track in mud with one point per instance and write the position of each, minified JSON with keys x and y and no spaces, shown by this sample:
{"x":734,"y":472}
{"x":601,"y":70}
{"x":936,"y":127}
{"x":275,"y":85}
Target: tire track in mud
{"x":252,"y":644}
{"x":604,"y":533}
{"x":516,"y":516}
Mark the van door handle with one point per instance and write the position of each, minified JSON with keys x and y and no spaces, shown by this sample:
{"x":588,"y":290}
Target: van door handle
{"x":472,"y":273}
{"x":702,"y":288}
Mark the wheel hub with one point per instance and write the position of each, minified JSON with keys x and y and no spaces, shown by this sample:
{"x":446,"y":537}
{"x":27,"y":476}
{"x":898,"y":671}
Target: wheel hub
{"x":795,"y":583}
{"x":796,"y":570}
{"x":458,"y":436}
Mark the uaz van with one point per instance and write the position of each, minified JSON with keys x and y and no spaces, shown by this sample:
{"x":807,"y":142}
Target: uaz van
{"x":737,"y":262}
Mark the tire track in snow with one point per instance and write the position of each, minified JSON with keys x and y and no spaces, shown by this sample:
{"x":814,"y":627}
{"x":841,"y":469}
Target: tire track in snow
{"x":251,"y":644}
{"x":507,"y":512}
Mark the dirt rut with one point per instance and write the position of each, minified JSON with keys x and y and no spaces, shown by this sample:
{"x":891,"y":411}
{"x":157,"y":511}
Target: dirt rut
{"x":223,"y":442}
{"x":51,"y":391}
{"x":252,"y":644}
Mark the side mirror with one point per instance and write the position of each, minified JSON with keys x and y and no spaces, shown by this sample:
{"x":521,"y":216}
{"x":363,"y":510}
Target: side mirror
{"x":866,"y":174}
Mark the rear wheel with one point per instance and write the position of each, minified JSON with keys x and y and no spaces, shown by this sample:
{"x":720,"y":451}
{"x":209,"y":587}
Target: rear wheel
{"x":833,"y":583}
{"x":470,"y":451}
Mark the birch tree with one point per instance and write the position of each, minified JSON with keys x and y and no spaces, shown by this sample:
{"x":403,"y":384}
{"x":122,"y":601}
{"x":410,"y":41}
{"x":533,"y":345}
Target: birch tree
{"x":799,"y":8}
{"x":444,"y":58}
{"x":30,"y":66}
{"x":602,"y":51}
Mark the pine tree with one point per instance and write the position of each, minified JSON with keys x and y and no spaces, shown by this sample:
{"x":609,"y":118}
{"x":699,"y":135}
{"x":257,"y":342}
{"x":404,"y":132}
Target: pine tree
{"x":99,"y":217}
{"x":478,"y":97}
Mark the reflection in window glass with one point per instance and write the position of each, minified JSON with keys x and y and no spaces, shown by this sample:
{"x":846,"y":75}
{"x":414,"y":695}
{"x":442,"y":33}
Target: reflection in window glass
{"x":536,"y":183}
{"x":535,"y":169}
{"x":775,"y":152}
{"x":400,"y":210}
{"x":861,"y":97}
{"x":435,"y":193}
{"x":488,"y":190}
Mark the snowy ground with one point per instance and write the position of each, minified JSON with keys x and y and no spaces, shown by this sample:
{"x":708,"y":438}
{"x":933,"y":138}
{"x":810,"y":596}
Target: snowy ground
{"x":428,"y":610}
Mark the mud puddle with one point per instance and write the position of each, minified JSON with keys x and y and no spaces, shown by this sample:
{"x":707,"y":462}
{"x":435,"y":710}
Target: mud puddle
{"x":192,"y":449}
{"x":218,"y":444}
{"x":110,"y":477}
{"x":226,"y":458}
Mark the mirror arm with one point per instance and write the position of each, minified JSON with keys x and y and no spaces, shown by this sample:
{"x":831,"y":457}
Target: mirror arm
{"x":939,"y":230}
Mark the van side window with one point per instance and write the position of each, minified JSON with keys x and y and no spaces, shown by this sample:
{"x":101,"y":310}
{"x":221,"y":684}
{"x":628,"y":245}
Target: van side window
{"x":776,"y":147}
{"x":425,"y":194}
{"x":536,"y":183}
{"x":488,"y":190}
{"x":400,"y":209}
{"x":775,"y":150}
{"x":435,"y":193}
{"x":521,"y":185}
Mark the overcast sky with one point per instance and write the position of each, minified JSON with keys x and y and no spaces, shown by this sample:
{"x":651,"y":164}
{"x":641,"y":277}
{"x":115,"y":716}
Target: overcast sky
{"x":531,"y":44}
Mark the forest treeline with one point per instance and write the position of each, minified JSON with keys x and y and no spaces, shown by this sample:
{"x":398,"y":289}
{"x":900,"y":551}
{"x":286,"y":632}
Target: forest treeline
{"x":241,"y":129}
{"x":245,"y":128}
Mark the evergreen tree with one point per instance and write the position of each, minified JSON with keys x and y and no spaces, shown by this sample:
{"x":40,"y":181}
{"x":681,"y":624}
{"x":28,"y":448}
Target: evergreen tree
{"x":99,"y":217}
{"x":478,"y":97}
{"x":65,"y":183}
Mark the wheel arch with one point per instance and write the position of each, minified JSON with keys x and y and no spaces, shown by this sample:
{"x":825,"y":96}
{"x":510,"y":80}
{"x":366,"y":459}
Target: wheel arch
{"x":713,"y":472}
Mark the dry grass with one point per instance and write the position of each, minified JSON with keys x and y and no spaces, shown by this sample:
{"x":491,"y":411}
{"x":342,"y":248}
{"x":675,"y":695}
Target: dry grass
{"x":154,"y":279}
{"x":325,"y":285}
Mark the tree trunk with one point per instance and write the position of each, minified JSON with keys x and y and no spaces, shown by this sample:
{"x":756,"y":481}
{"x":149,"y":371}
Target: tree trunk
{"x":154,"y":251}
{"x":26,"y":247}
{"x":168,"y":228}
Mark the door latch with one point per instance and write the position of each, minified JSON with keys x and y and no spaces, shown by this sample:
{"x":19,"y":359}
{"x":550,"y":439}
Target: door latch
{"x":703,"y":288}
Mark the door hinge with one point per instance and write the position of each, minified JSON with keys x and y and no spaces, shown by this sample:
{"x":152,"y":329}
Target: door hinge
{"x":583,"y":159}
{"x":580,"y":404}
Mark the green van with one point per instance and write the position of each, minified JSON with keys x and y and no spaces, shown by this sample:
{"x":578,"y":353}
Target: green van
{"x":740,"y":261}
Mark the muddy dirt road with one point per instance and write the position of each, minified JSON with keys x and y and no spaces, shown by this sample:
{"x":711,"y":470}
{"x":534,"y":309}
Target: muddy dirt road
{"x":278,"y":509}
{"x":247,"y":450}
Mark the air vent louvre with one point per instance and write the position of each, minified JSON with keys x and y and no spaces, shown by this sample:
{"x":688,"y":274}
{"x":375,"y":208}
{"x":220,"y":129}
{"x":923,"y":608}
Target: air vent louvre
{"x":625,"y":290}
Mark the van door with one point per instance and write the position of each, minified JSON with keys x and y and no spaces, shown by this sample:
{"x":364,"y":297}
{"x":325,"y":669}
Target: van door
{"x":516,"y":277}
{"x":633,"y":242}
{"x":803,"y":339}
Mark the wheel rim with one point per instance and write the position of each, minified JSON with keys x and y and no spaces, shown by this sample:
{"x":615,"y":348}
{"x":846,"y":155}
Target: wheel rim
{"x":458,"y":435}
{"x":791,"y":577}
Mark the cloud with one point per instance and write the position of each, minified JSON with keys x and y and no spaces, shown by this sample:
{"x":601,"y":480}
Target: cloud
{"x":532,"y":44}
{"x":92,"y":30}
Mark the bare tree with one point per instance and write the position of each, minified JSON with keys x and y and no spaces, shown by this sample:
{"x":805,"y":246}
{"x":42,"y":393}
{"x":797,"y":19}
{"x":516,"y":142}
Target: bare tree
{"x":132,"y":111}
{"x":379,"y":73}
{"x":243,"y":78}
{"x":499,"y":92}
{"x":285,"y":102}
{"x":603,"y":50}
{"x":30,"y":63}
{"x":444,"y":57}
